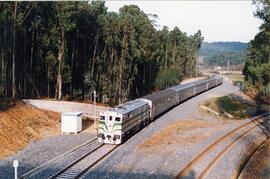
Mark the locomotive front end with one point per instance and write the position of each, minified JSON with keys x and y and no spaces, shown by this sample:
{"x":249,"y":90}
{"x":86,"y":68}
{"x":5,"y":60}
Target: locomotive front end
{"x":110,"y":128}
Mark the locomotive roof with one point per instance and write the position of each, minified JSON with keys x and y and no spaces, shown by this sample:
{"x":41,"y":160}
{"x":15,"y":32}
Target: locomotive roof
{"x":159,"y":95}
{"x":128,"y":106}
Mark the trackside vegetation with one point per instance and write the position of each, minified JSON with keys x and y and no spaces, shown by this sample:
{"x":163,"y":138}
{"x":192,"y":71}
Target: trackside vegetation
{"x":69,"y":49}
{"x":232,"y":107}
{"x":257,"y":64}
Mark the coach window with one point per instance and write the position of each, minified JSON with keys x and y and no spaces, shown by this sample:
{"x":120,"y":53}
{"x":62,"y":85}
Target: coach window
{"x":118,"y":119}
{"x":110,"y":118}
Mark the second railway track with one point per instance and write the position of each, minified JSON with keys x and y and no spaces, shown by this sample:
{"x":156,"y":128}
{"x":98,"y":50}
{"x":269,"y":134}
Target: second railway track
{"x":207,"y":158}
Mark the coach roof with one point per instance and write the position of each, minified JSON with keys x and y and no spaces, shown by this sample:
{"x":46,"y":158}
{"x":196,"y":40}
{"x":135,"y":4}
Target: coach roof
{"x":182,"y":86}
{"x":157,"y":96}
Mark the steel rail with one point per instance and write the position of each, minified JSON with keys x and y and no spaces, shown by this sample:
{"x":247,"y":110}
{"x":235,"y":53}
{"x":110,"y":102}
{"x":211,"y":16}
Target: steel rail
{"x":75,"y":162}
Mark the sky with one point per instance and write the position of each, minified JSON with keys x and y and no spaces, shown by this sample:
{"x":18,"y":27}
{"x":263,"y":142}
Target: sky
{"x":218,"y":20}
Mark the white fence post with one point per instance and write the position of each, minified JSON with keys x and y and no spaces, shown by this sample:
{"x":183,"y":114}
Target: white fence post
{"x":15,"y":165}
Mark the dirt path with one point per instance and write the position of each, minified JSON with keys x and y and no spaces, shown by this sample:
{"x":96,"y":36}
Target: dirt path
{"x":66,"y":106}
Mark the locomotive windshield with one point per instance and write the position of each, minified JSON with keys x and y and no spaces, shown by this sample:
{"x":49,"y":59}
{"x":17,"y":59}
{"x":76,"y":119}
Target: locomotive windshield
{"x":102,"y":118}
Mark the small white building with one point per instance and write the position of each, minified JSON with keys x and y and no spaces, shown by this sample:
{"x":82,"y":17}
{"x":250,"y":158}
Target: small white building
{"x":71,"y":122}
{"x":217,"y":67}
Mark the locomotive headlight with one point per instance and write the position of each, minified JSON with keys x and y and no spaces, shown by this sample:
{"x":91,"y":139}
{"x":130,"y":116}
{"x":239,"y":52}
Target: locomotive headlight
{"x":101,"y":136}
{"x":115,"y":137}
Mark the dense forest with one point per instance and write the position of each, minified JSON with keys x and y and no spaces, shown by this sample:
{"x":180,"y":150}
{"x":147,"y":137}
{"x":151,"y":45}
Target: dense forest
{"x":219,"y":53}
{"x":69,"y":49}
{"x":257,"y":65}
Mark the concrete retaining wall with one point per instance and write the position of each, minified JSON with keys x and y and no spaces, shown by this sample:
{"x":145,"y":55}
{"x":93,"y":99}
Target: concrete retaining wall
{"x":66,"y":106}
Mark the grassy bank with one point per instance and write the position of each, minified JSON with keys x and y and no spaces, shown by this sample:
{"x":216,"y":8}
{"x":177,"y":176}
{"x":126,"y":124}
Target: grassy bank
{"x":232,"y":106}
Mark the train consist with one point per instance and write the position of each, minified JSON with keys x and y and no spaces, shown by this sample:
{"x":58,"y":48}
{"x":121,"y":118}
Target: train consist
{"x":118,"y":124}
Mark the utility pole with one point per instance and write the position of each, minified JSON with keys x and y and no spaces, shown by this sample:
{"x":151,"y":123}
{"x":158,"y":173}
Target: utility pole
{"x":228,"y":66}
{"x":95,"y":109}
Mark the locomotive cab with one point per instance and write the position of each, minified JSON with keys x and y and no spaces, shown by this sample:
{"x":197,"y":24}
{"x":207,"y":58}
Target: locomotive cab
{"x":109,"y":128}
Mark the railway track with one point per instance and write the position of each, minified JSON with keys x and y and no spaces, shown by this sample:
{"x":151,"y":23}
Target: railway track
{"x":72,"y":163}
{"x":74,"y":152}
{"x":211,"y":155}
{"x":77,"y":168}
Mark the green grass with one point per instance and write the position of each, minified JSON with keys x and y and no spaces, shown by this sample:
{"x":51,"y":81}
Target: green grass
{"x":227,"y":104}
{"x":232,"y":105}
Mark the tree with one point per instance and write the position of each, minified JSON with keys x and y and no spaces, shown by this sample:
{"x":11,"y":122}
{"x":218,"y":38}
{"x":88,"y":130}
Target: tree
{"x":69,"y":49}
{"x":257,"y":63}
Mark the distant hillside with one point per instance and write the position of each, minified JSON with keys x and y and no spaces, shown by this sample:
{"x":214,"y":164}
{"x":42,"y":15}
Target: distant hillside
{"x":208,"y":49}
{"x":218,"y":53}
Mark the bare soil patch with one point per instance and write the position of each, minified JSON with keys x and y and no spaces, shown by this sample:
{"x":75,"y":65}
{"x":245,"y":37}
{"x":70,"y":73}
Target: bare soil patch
{"x":20,"y":124}
{"x":184,"y":132}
